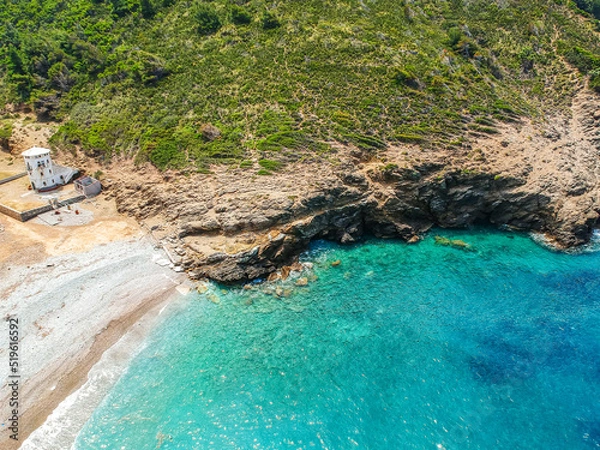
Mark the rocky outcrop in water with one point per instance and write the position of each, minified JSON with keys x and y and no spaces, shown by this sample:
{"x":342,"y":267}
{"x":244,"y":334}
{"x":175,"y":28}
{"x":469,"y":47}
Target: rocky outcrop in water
{"x":235,"y":241}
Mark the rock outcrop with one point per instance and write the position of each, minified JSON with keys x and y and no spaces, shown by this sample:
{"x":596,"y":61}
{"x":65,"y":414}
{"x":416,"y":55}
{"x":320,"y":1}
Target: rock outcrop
{"x":233,"y":225}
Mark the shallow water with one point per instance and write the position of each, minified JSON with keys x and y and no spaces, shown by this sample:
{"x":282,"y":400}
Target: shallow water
{"x":402,"y":347}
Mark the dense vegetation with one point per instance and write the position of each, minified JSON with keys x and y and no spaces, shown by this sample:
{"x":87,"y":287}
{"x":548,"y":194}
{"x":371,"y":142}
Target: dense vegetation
{"x":590,"y":6}
{"x":189,"y":83}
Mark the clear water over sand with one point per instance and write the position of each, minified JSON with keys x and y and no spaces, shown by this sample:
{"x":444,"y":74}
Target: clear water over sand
{"x":399,"y":347}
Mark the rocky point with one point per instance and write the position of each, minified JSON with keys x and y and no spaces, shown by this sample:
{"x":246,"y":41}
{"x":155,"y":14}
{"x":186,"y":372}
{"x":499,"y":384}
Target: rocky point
{"x":233,"y":225}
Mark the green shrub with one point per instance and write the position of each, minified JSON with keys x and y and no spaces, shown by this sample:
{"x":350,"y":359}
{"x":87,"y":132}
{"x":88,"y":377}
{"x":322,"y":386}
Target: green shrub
{"x":580,"y":57}
{"x":239,"y":15}
{"x":409,"y":138}
{"x":454,"y":36}
{"x":595,"y":80}
{"x":502,"y":106}
{"x":590,"y":6}
{"x":406,"y":77}
{"x":6,"y":131}
{"x":147,"y":8}
{"x":206,"y":18}
{"x":5,"y":135}
{"x":485,"y":121}
{"x":270,"y":21}
{"x":166,"y":155}
{"x":270,"y":165}
{"x":344,"y":119}
{"x":365,"y":142}
{"x":283,"y":139}
{"x":483,"y":129}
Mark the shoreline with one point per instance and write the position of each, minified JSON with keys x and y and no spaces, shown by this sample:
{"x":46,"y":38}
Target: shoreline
{"x":72,"y":308}
{"x":58,"y":429}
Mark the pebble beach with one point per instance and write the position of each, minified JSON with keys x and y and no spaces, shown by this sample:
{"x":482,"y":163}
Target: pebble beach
{"x":71,"y":308}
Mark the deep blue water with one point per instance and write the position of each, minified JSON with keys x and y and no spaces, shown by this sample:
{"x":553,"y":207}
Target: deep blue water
{"x":399,"y":347}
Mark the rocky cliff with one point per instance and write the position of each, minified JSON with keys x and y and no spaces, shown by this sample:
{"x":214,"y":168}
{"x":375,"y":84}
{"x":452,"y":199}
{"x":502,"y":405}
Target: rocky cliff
{"x":233,"y":225}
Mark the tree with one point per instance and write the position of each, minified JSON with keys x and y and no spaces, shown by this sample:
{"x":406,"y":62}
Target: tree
{"x":148,"y":10}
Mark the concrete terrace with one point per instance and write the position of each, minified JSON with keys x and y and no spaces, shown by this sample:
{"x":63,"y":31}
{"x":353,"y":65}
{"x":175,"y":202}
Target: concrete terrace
{"x":20,"y":202}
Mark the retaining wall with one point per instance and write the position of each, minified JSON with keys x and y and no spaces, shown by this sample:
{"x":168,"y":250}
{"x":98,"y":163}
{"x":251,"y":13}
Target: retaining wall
{"x":24,"y":216}
{"x":11,"y":212}
{"x":14,"y":177}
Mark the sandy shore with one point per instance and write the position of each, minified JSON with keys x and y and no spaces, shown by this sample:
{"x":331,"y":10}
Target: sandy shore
{"x":76,"y":291}
{"x":61,"y":428}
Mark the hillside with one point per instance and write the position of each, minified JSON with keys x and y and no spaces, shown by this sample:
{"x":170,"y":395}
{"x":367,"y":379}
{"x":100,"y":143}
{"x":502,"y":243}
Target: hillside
{"x":185,"y":84}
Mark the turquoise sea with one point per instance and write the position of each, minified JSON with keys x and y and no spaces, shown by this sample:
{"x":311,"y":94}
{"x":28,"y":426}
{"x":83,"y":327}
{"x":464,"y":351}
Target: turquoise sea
{"x":400,"y":346}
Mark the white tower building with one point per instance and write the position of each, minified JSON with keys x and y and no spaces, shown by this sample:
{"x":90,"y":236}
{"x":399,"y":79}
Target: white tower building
{"x":40,"y":169}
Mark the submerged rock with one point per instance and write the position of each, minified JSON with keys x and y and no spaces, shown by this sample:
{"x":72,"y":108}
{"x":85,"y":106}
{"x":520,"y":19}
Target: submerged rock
{"x":296,"y":267}
{"x":213,"y":298}
{"x":273,"y":276}
{"x":302,"y":281}
{"x":456,"y":243}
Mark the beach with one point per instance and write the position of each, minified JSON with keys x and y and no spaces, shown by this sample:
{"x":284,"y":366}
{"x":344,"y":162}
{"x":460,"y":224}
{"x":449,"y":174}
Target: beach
{"x":73,"y":292}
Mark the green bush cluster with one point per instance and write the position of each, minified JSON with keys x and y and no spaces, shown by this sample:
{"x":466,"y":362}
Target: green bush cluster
{"x":405,"y":76}
{"x":364,"y":142}
{"x":595,"y":80}
{"x":270,"y":21}
{"x":583,"y":59}
{"x":590,"y":6}
{"x":207,"y":19}
{"x":269,"y":164}
{"x":240,"y":15}
{"x":6,"y":130}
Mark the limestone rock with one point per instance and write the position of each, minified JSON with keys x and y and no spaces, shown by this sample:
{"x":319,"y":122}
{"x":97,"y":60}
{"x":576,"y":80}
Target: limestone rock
{"x":210,"y":132}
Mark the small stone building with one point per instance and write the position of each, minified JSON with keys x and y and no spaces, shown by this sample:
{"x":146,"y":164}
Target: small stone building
{"x":87,"y":186}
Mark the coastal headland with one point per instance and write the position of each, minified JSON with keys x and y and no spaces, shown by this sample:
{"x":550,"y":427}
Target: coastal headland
{"x":232,"y":225}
